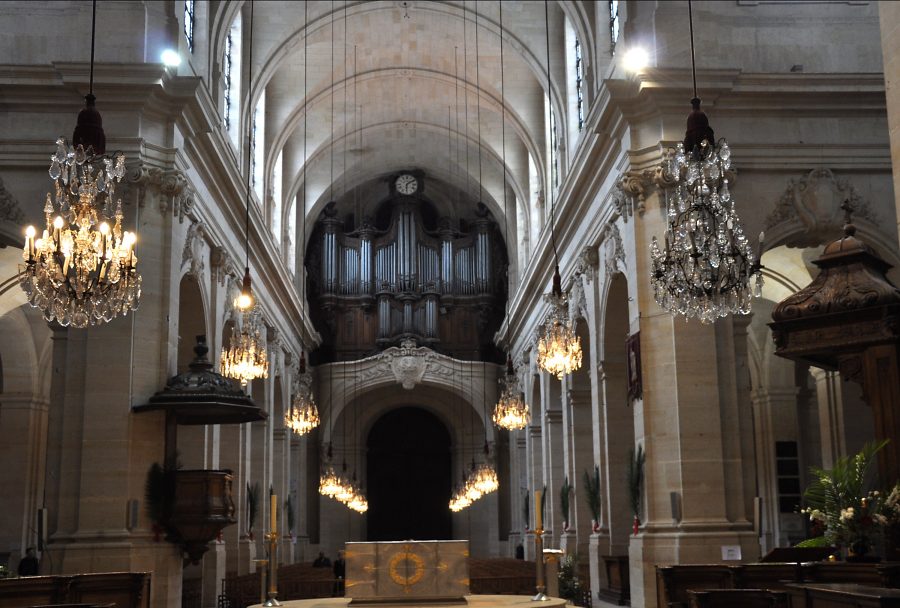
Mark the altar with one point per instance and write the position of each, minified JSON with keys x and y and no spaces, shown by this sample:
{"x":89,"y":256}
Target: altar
{"x":407,"y":571}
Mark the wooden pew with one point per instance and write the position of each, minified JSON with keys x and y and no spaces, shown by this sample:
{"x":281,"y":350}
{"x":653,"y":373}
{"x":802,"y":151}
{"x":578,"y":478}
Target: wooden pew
{"x":838,"y":595}
{"x":674,"y":582}
{"x":739,"y":598}
{"x":124,"y":589}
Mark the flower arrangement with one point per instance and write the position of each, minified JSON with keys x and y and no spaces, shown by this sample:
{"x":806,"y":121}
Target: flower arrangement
{"x":841,"y":505}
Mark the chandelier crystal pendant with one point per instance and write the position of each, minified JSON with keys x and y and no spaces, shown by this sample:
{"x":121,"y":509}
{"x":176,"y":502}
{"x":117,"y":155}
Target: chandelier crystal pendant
{"x":82,"y":270}
{"x":559,"y":348}
{"x":303,"y":415}
{"x":707,"y":266}
{"x":246,"y":358}
{"x":511,"y":412}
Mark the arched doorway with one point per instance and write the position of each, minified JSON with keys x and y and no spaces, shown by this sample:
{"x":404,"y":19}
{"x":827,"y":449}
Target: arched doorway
{"x":408,"y":472}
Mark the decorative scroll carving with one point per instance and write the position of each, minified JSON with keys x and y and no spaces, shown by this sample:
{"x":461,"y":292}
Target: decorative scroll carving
{"x":634,"y":185}
{"x":586,"y":265}
{"x":813,"y":203}
{"x":165,"y":184}
{"x":220,"y":264}
{"x":578,"y":308}
{"x":9,"y":206}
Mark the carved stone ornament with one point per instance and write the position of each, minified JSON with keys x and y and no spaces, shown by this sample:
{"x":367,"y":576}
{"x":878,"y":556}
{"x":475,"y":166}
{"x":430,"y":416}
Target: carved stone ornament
{"x":812,"y":205}
{"x":220,"y":264}
{"x":586,"y":265}
{"x":166,"y":185}
{"x":9,"y":206}
{"x":613,"y":250}
{"x":633,"y":184}
{"x":577,"y":301}
{"x":192,"y":256}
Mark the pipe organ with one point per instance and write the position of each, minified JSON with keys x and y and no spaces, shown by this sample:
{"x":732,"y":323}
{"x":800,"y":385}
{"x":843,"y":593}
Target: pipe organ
{"x":372,"y":286}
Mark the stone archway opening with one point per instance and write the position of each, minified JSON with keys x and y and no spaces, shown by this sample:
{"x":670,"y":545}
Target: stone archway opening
{"x":409,"y":477}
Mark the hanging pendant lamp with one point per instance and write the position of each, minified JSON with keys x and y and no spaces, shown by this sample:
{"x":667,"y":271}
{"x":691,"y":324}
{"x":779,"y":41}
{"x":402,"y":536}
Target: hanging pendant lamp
{"x":303,"y":415}
{"x":559,"y":348}
{"x":707,"y":265}
{"x":511,"y":412}
{"x":82,"y":270}
{"x":246,"y":358}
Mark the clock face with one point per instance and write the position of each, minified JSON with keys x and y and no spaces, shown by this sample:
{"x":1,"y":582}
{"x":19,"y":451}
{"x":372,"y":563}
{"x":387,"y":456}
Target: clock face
{"x":406,"y":184}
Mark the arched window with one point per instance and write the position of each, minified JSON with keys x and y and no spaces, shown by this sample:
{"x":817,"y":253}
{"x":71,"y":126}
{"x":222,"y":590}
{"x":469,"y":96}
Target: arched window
{"x":276,"y":197}
{"x":189,"y":24}
{"x":534,"y":190}
{"x":574,"y":84}
{"x":290,"y":236}
{"x":257,"y":146}
{"x":553,"y":149}
{"x":231,"y":73}
{"x":613,"y":24}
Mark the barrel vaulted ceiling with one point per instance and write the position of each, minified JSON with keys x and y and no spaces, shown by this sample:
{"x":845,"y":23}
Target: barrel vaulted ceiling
{"x":392,"y":86}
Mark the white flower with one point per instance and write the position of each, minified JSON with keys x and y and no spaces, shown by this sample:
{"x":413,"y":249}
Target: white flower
{"x":816,"y":515}
{"x":880,"y":519}
{"x":847,"y":514}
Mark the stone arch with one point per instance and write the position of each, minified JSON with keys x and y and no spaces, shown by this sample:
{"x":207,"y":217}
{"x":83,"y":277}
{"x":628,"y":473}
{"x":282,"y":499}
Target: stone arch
{"x":617,"y":415}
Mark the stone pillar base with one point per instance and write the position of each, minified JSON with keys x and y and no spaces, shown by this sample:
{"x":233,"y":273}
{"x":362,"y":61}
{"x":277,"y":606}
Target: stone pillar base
{"x":701,"y":545}
{"x":213,"y":573}
{"x":596,"y":547}
{"x":246,"y":556}
{"x":568,"y":542}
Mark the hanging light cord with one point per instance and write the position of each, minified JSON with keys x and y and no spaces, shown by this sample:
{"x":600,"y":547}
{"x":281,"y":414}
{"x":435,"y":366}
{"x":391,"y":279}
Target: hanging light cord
{"x":478,"y":106}
{"x":93,"y":38}
{"x":550,"y":113}
{"x":331,"y":185}
{"x":693,"y":61}
{"x":503,"y":144}
{"x":251,"y":115}
{"x":305,"y":137}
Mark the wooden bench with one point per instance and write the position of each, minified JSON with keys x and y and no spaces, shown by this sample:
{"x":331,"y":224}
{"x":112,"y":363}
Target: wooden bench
{"x":122,"y":589}
{"x":739,"y":598}
{"x":836,"y":595}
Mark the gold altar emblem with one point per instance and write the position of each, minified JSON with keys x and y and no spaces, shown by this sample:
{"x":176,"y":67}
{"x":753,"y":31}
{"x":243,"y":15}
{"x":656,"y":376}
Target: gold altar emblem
{"x":407,"y":568}
{"x":403,"y":571}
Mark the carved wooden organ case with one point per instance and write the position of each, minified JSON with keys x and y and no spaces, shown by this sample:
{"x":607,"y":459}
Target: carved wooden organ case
{"x":396,"y":278}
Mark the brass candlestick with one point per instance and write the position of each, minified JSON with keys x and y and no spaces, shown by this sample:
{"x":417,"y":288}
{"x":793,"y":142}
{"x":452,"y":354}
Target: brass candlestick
{"x":272,"y":593}
{"x":261,"y":565}
{"x":540,"y":583}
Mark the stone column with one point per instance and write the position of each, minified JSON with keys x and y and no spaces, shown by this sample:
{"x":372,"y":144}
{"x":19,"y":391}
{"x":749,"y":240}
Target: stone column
{"x":831,"y":415}
{"x":535,"y":475}
{"x":553,"y":437}
{"x":766,"y":404}
{"x":582,"y":461}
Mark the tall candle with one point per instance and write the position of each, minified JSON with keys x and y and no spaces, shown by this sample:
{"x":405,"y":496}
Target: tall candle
{"x":537,"y":510}
{"x":273,"y":503}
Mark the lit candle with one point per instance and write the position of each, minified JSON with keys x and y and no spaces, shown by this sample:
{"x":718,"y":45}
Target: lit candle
{"x":273,"y":503}
{"x":537,"y":510}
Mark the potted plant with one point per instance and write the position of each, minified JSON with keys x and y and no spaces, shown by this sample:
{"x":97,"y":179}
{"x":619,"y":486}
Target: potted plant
{"x":635,"y":484}
{"x":252,"y":507}
{"x":289,"y":515}
{"x":841,"y":499}
{"x":592,"y":495}
{"x":159,"y":496}
{"x":565,"y":492}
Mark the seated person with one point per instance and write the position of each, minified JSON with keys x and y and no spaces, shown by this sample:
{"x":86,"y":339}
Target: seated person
{"x":322,"y":561}
{"x":29,"y":565}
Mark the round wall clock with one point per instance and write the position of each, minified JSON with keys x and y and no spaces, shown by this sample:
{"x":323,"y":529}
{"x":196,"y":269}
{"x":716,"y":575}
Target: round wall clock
{"x":406,"y":184}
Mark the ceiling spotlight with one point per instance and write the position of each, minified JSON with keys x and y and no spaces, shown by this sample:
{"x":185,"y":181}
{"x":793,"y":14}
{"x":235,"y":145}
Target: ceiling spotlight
{"x":636,"y":59}
{"x":170,"y":58}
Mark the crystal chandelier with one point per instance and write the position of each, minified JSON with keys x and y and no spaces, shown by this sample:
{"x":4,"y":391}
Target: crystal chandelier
{"x":82,"y":270}
{"x":511,"y":412}
{"x":484,"y":478}
{"x":707,"y":265}
{"x":303,"y":415}
{"x":559,"y":348}
{"x":246,"y":358}
{"x":329,"y":482}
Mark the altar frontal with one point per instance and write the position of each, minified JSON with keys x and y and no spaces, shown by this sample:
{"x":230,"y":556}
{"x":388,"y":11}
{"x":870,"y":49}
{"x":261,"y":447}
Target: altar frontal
{"x":408,"y":571}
